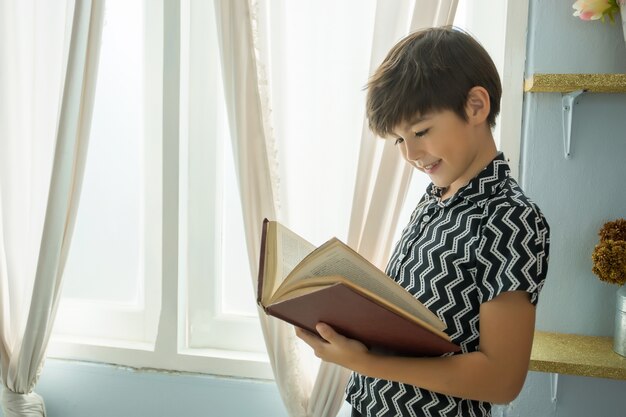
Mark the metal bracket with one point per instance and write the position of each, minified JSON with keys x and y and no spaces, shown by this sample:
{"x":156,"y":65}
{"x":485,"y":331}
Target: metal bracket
{"x":554,"y":385}
{"x":568,"y":100}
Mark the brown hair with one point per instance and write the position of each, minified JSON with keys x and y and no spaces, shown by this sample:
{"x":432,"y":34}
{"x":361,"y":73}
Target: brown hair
{"x":430,"y":70}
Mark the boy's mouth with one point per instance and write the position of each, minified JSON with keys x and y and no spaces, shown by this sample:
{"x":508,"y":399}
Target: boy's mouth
{"x":430,"y":167}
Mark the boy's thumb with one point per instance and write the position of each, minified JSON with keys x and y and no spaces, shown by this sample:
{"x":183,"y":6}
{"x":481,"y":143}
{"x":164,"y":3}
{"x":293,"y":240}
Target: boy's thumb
{"x":325,"y":331}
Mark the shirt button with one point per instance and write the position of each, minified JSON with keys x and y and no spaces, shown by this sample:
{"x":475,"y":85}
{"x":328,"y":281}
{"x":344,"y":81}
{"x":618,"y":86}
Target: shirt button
{"x":425,"y":218}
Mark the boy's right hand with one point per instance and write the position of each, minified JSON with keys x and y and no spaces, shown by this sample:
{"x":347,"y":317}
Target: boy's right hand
{"x":334,"y":347}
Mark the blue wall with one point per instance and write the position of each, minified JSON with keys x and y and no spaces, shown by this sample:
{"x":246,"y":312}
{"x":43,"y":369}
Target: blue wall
{"x":82,"y":389}
{"x":577,"y":196}
{"x":580,"y":194}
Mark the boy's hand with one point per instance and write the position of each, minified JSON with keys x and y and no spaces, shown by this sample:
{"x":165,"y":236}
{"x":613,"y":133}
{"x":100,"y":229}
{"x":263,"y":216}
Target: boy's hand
{"x":333,"y":347}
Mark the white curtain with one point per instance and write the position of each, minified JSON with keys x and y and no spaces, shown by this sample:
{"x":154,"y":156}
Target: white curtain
{"x":380,"y":192}
{"x":381,"y":180}
{"x":47,"y":85}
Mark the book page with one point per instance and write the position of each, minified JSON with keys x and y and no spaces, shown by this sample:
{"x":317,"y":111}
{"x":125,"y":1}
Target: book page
{"x":291,"y":249}
{"x":336,"y":258}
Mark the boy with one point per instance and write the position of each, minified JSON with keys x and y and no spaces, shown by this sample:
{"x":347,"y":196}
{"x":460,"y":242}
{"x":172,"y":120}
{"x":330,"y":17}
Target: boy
{"x":475,"y":251}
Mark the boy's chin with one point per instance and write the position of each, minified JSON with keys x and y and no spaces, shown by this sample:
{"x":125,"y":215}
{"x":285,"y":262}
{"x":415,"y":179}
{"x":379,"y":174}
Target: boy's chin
{"x":439,"y":184}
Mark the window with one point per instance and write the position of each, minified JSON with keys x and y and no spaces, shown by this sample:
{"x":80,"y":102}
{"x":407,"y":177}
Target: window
{"x":219,"y":300}
{"x":157,"y":274}
{"x":159,"y":191}
{"x":112,"y":275}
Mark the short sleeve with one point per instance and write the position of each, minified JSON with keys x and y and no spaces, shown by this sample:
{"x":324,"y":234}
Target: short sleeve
{"x":513,"y":253}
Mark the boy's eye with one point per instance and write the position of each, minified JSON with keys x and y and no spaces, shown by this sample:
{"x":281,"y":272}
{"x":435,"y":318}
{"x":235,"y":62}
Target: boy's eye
{"x":399,"y":141}
{"x":421,"y":133}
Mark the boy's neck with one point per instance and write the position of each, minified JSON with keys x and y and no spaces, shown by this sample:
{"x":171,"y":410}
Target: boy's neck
{"x":487,"y":152}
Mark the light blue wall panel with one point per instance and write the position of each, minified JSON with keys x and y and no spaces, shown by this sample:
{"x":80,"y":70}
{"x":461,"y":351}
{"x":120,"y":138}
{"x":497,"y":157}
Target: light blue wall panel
{"x":81,"y":389}
{"x":577,"y":196}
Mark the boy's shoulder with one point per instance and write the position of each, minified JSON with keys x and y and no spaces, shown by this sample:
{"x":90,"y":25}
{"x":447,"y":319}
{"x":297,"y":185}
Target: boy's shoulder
{"x":508,"y":193}
{"x":508,"y":196}
{"x":494,"y":188}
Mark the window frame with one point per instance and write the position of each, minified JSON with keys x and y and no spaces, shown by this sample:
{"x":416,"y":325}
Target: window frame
{"x":169,"y":351}
{"x":86,"y":320}
{"x":511,"y":109}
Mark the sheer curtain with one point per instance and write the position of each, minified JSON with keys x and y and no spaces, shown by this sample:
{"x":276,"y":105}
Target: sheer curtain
{"x":380,"y":191}
{"x":265,"y":120}
{"x":45,"y":114}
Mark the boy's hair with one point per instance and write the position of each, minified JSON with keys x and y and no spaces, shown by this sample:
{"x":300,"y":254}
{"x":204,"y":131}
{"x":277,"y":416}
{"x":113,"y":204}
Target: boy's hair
{"x":430,"y":70}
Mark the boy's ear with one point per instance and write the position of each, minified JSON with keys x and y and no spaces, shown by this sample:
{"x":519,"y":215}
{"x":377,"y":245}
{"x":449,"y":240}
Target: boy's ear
{"x":478,"y":105}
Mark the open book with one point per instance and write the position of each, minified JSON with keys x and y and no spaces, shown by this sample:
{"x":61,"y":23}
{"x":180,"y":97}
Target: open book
{"x":304,"y":285}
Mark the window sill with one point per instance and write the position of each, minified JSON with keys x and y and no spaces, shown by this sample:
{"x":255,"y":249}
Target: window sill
{"x":143,"y":356}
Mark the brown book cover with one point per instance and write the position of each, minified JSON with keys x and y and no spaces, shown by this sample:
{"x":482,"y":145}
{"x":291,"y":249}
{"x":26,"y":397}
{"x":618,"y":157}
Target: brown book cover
{"x":358,"y":317}
{"x":259,"y":293}
{"x":335,"y":285}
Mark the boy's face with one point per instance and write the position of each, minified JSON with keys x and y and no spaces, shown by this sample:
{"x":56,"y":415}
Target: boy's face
{"x":447,"y":148}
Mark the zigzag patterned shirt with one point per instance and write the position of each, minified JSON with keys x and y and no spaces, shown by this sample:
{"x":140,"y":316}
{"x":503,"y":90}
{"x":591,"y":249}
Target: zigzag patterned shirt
{"x":453,"y":256}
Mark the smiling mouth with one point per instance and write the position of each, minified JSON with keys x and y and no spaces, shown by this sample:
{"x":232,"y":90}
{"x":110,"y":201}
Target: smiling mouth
{"x":430,"y":167}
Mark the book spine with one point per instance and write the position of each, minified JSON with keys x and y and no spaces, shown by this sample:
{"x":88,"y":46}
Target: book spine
{"x":262,"y":262}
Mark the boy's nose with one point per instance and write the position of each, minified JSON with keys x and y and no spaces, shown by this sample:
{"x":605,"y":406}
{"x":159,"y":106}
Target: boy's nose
{"x":413,"y":153}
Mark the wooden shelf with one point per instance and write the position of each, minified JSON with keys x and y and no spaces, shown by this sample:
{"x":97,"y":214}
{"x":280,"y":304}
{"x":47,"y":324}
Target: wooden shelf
{"x":566,"y":83}
{"x":576,"y":355}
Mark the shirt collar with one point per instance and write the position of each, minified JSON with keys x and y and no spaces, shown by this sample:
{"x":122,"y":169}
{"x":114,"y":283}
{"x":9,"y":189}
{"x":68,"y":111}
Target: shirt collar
{"x":481,"y":187}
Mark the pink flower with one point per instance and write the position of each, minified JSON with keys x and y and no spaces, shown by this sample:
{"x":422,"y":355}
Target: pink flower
{"x":592,"y":9}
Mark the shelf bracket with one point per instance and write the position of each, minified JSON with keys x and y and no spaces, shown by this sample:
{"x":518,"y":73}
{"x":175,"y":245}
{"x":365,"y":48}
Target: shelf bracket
{"x":568,"y":100}
{"x":554,"y":385}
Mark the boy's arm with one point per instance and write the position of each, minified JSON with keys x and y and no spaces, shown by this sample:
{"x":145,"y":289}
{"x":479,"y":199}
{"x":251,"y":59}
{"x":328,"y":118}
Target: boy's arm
{"x":495,"y":373}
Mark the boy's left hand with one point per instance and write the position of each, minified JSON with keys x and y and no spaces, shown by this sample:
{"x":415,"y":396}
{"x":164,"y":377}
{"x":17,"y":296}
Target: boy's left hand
{"x":333,"y":347}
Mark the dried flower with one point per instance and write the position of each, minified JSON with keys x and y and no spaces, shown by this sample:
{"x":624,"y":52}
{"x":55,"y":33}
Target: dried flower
{"x":609,"y":256}
{"x":609,"y":261}
{"x":615,"y":230}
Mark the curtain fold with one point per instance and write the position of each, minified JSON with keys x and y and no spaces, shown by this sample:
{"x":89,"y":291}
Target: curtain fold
{"x":248,"y":127}
{"x":246,"y":117}
{"x":32,"y":258}
{"x":381,"y":184}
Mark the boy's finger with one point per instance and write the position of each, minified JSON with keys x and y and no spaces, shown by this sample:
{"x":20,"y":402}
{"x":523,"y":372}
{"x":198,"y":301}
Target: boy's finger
{"x":310,"y":338}
{"x":327,"y":332}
